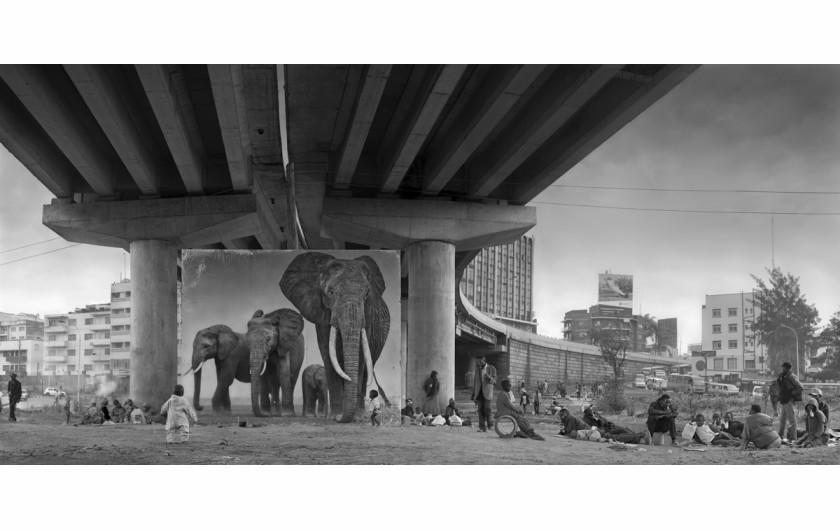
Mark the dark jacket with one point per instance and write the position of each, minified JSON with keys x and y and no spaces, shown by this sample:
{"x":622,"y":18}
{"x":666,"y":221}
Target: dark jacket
{"x":407,"y":411}
{"x":735,"y":428}
{"x":504,"y":407}
{"x":789,"y":388}
{"x":597,"y":421}
{"x":15,"y":390}
{"x":823,"y":407}
{"x":571,"y":425}
{"x":431,"y":387}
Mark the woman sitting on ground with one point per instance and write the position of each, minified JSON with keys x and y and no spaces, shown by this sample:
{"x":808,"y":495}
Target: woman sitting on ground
{"x":118,"y":412}
{"x":815,"y":434}
{"x":758,"y":429}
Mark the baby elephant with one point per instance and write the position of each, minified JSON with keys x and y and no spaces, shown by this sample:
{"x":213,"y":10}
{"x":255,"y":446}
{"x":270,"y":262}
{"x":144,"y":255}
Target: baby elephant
{"x":315,"y":388}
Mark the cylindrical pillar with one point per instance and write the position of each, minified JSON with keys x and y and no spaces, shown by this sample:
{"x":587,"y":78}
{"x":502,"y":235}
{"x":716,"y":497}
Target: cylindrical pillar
{"x":431,"y":331}
{"x":154,"y":333}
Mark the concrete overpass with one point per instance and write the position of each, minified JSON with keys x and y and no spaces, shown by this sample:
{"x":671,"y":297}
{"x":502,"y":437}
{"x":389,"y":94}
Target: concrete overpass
{"x":437,"y":161}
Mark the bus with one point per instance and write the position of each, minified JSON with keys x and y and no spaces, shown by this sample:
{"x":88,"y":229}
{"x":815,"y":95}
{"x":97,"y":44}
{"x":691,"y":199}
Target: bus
{"x":681,"y":369}
{"x":650,"y":371}
{"x":690,"y":384}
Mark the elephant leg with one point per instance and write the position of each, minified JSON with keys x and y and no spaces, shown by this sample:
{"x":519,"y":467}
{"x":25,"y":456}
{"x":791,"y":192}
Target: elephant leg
{"x":284,"y":373}
{"x":305,"y":400}
{"x":265,"y":392}
{"x":216,"y":400}
{"x":226,"y":399}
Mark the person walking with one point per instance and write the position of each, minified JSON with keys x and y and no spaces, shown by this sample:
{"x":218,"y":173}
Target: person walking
{"x":482,"y":394}
{"x":179,"y":412}
{"x":537,"y":399}
{"x":577,"y":390}
{"x":14,"y":391}
{"x":790,"y":391}
{"x":524,"y":400}
{"x":432,"y":387}
{"x":773,"y":391}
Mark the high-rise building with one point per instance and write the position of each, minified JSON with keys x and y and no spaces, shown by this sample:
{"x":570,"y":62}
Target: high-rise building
{"x":499,"y":282}
{"x":727,"y":331}
{"x":667,"y":336}
{"x":579,"y":325}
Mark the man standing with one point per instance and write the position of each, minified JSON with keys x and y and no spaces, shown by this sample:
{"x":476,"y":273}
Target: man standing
{"x":790,"y":391}
{"x":482,"y":394}
{"x":14,"y":391}
{"x":431,"y":387}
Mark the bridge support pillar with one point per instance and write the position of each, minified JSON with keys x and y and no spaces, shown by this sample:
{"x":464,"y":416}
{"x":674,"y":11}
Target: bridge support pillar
{"x":154,"y":347}
{"x":431,"y":332}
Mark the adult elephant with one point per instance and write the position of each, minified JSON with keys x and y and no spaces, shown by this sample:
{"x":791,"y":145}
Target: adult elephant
{"x":277,"y":347}
{"x":343,"y":298}
{"x":315,"y":388}
{"x":229,"y":350}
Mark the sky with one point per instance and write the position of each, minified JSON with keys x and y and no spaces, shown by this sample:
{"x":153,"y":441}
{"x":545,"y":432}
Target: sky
{"x":759,"y":129}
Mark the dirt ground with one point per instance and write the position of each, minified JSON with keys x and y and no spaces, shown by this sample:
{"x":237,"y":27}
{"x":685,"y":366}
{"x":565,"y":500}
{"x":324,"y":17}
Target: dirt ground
{"x":39,"y":438}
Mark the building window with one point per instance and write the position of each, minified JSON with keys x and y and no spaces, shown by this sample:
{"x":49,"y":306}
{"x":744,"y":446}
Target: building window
{"x":88,"y":322}
{"x":715,"y":328}
{"x":71,"y":353}
{"x":718,"y":364}
{"x":88,"y":368}
{"x":715,"y":313}
{"x":732,"y":363}
{"x":749,"y":364}
{"x":88,"y":351}
{"x":52,"y":337}
{"x":72,"y":336}
{"x":733,"y":312}
{"x":733,"y":344}
{"x":71,"y":322}
{"x":733,"y":328}
{"x":716,"y":345}
{"x":88,"y":336}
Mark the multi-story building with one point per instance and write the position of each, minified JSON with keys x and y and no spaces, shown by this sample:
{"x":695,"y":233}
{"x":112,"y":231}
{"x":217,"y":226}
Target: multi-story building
{"x":580,"y":324}
{"x":79,"y":342}
{"x":21,"y":343}
{"x":499,"y":282}
{"x":121,"y":327}
{"x":727,"y":331}
{"x":667,"y":336}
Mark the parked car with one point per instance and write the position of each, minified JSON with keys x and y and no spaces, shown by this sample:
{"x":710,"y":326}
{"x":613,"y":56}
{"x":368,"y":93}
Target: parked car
{"x":639,"y":382}
{"x":721,"y":388}
{"x":52,"y":391}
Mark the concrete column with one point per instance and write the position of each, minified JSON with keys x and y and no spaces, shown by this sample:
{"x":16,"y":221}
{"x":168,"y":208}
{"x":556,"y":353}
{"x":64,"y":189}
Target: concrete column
{"x":431,"y":331}
{"x":154,"y":335}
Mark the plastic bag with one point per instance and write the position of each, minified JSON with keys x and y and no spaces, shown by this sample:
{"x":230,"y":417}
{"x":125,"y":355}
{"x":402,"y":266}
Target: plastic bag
{"x":438,"y":420}
{"x":455,"y":421}
{"x":591,"y":435}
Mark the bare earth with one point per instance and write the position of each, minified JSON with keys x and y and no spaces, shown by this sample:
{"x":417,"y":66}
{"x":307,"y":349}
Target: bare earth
{"x":39,"y":438}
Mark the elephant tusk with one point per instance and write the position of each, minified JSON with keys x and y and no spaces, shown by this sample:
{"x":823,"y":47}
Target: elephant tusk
{"x":265,"y":365}
{"x":198,"y":368}
{"x":333,"y":358}
{"x":368,"y":358}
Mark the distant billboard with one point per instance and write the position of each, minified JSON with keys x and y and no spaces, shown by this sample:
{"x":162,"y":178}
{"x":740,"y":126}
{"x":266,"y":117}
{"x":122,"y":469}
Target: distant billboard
{"x":615,"y":289}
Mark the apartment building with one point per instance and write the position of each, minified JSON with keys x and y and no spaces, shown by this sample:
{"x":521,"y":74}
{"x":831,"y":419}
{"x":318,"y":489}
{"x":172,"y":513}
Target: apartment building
{"x":79,"y":342}
{"x":727,"y":331}
{"x":580,"y":324}
{"x":499,"y":282}
{"x":21,"y":343}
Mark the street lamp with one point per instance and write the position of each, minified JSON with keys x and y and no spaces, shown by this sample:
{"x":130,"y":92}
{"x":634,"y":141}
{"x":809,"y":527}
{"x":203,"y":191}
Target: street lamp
{"x":797,"y":346}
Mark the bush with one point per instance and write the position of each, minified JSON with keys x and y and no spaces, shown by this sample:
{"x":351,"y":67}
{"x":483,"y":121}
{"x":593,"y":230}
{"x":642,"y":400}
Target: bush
{"x":612,"y":398}
{"x":688,"y":405}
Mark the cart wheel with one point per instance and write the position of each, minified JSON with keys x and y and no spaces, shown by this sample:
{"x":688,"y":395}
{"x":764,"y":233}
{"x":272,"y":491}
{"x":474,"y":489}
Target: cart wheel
{"x":506,"y":427}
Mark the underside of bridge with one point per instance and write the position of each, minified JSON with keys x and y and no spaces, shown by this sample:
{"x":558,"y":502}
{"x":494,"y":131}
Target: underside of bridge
{"x":437,"y":161}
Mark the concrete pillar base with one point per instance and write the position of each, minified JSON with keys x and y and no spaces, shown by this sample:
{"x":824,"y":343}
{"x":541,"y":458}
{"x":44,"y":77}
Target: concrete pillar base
{"x":431,"y":332}
{"x":154,"y":313}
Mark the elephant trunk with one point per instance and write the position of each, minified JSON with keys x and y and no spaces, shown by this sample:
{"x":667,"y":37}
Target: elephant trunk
{"x":197,"y":390}
{"x":351,"y":344}
{"x":257,"y":367}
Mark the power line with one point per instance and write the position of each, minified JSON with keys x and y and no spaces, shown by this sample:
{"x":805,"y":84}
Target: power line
{"x":675,"y":210}
{"x":692,"y":190}
{"x":41,"y":254}
{"x":30,"y":245}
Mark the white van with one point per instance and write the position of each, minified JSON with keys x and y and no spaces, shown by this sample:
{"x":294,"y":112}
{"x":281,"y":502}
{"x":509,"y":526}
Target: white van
{"x":691,"y":384}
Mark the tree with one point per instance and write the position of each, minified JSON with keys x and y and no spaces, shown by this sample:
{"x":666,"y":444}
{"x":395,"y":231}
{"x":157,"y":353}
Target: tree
{"x":650,"y":329}
{"x":830,"y":338}
{"x":782,"y":303}
{"x":613,"y":345}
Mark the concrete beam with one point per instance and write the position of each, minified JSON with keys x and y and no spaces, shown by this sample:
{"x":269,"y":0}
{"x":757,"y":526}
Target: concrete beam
{"x":28,"y":142}
{"x":229,"y":96}
{"x":562,"y":152}
{"x":115,"y":223}
{"x":436,"y":88}
{"x":498,"y":94}
{"x":552,"y":106}
{"x":159,"y":82}
{"x":106,"y":103}
{"x":373,"y":85}
{"x":273,"y":210}
{"x":44,"y":100}
{"x":227,"y":230}
{"x":395,"y":224}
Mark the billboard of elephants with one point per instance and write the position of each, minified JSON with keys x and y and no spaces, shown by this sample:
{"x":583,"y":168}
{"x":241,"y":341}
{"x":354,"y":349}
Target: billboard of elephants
{"x":258,"y":325}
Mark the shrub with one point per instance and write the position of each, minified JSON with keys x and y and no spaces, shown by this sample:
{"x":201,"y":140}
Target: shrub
{"x":612,"y":398}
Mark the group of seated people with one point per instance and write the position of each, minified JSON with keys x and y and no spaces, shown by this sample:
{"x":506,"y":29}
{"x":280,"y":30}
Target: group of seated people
{"x":98,"y":413}
{"x":415,"y":416}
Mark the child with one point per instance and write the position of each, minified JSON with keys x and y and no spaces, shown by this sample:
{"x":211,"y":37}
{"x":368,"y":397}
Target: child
{"x":375,"y":409}
{"x":179,"y":412}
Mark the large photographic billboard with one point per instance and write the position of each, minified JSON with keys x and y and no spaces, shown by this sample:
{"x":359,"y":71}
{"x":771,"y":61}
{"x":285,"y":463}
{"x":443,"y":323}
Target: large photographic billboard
{"x":615,"y":289}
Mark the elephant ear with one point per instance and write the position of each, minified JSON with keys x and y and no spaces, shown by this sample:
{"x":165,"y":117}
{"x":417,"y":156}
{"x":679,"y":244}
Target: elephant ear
{"x":377,"y":282}
{"x":289,"y":324}
{"x":301,"y":285}
{"x":378,"y":320}
{"x":226,"y":340}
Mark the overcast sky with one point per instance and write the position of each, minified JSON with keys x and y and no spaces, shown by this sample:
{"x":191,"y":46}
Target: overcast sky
{"x":771,"y":128}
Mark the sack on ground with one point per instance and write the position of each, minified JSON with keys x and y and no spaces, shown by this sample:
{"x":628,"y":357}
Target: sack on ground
{"x":455,"y":420}
{"x":591,"y":435}
{"x":689,"y":430}
{"x":438,"y":420}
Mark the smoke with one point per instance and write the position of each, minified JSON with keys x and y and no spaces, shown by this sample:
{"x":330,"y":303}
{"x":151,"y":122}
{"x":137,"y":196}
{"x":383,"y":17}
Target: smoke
{"x":107,"y":388}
